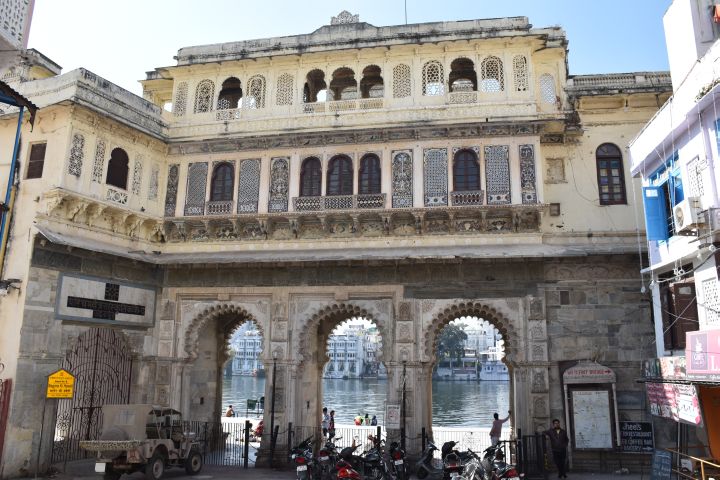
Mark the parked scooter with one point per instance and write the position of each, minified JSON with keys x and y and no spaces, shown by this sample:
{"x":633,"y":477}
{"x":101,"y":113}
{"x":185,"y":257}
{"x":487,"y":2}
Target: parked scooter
{"x":302,"y":457}
{"x":326,"y":459}
{"x":452,"y":462}
{"x":502,"y":470}
{"x":397,"y":459}
{"x":424,"y":466}
{"x":345,"y":471}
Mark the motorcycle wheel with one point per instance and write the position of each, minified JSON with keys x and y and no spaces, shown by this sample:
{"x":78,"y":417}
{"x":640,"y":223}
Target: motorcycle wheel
{"x":421,"y":473}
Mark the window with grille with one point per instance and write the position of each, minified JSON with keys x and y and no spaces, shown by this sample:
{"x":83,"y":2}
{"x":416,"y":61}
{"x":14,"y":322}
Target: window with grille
{"x":204,"y":94}
{"x":401,"y":81}
{"x":36,"y":162}
{"x":369,"y":174}
{"x":340,"y":176}
{"x":610,"y":175}
{"x":520,"y":73}
{"x":117,"y":172}
{"x":493,"y":77}
{"x":433,"y":79}
{"x":547,"y":88}
{"x":255,"y":93}
{"x":466,"y":171}
{"x":221,"y":184}
{"x":284,"y":94}
{"x":310,"y":178}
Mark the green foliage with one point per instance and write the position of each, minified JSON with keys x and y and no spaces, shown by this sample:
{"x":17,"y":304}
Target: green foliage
{"x":450,"y":343}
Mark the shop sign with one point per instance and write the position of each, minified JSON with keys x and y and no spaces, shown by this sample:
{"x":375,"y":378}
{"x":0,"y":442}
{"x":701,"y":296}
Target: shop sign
{"x":675,"y":401}
{"x":666,"y":368}
{"x":61,"y":384}
{"x":703,"y":355}
{"x":637,"y":437}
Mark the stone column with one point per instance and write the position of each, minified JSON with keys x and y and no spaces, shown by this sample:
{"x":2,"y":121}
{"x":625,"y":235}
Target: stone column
{"x":535,"y":372}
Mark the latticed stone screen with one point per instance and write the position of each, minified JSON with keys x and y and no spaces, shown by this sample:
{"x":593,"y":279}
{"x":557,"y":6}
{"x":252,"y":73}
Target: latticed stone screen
{"x":196,"y":184}
{"x":401,"y":81}
{"x":527,"y":174}
{"x":249,"y":186}
{"x":492,"y":75}
{"x":435,"y":173}
{"x":180,"y":103}
{"x":255,"y":97}
{"x":172,"y":190}
{"x":153,"y":185}
{"x":547,"y":88}
{"x":497,"y":174}
{"x":204,"y":94}
{"x":402,"y":180}
{"x":711,"y":302}
{"x":520,"y":73}
{"x":279,"y":182}
{"x":284,"y":94}
{"x":77,"y":153}
{"x":433,"y":79}
{"x":696,"y":176}
{"x":99,"y":163}
{"x":137,"y":176}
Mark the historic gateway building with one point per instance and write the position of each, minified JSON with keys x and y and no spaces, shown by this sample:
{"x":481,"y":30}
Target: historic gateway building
{"x":409,"y":175}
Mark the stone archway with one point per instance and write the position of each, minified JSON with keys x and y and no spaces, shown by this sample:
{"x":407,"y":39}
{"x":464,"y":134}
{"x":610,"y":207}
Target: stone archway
{"x":206,"y":346}
{"x":310,"y":352}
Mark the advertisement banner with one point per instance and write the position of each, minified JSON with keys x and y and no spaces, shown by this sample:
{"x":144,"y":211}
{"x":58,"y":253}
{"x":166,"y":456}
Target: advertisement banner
{"x":703,"y":355}
{"x":674,"y":401}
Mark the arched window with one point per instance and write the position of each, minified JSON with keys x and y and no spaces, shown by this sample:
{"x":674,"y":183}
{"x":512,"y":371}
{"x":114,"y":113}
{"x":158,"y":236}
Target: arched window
{"x":340,"y":176}
{"x":230,"y":94}
{"x":433,"y":79}
{"x":221,"y":184}
{"x":369,"y":174}
{"x":462,"y":75}
{"x":466,"y":171}
{"x":117,"y":172}
{"x":520,"y":73}
{"x":610,"y":175}
{"x":310,"y":177}
{"x":255,"y":97}
{"x":343,"y":85}
{"x":371,"y":85}
{"x":315,"y":87}
{"x":493,"y":77}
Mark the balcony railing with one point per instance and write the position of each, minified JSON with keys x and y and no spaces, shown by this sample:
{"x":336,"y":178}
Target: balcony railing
{"x":116,"y":196}
{"x":462,"y":97}
{"x":219,"y":208}
{"x":339,"y":202}
{"x":468,"y":197}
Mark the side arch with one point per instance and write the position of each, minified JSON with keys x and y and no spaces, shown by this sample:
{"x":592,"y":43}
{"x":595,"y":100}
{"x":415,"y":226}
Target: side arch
{"x":235,"y":314}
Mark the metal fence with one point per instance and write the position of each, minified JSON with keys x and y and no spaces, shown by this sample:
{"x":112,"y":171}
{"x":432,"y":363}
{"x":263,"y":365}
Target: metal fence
{"x":225,"y":443}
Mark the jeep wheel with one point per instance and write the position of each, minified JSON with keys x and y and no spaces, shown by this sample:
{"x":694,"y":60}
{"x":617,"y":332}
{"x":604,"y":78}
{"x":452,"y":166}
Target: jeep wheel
{"x":193,"y":463}
{"x":156,"y":467}
{"x":111,"y":473}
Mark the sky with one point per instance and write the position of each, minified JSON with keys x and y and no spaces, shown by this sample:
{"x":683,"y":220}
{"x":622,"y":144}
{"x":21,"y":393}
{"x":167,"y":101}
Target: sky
{"x":120,"y":41}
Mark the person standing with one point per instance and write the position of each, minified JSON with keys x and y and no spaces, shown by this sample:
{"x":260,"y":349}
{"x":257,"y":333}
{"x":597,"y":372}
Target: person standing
{"x":366,"y":421}
{"x":331,"y":425}
{"x":496,"y":429}
{"x":558,"y":444}
{"x":373,"y":422}
{"x":325,"y":423}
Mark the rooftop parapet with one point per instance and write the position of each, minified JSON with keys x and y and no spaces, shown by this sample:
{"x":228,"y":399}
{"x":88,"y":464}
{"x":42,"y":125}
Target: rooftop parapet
{"x":352,"y":34}
{"x":601,"y":84}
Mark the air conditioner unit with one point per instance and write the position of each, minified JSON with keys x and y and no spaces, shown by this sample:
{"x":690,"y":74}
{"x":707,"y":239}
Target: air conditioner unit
{"x":686,"y":215}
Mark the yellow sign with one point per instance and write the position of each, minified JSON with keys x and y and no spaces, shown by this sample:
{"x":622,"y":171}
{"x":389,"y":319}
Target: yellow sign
{"x":61,"y":384}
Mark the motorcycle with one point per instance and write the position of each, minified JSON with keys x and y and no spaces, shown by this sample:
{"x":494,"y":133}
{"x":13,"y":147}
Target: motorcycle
{"x":345,"y":471}
{"x":452,"y":461}
{"x":502,"y":470}
{"x":397,"y":459}
{"x":326,"y":459}
{"x":473,"y":469}
{"x":426,"y":467}
{"x":302,"y":457}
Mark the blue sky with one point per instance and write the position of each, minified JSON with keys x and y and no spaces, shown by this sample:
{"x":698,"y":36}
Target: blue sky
{"x":122,"y":40}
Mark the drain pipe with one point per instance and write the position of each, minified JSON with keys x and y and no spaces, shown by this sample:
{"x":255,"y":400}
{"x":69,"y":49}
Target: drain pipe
{"x":7,"y":207}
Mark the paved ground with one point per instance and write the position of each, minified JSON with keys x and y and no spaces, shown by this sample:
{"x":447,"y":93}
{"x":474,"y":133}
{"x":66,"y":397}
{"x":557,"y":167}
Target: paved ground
{"x":85,"y":471}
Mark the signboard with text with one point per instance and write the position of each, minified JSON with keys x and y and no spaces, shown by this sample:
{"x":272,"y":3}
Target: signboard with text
{"x":61,"y":384}
{"x":675,"y":401}
{"x":392,"y":416}
{"x":637,"y":437}
{"x":702,"y":354}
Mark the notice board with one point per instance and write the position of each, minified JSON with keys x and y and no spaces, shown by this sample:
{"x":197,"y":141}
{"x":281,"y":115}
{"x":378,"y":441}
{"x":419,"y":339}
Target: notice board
{"x":661,"y":465}
{"x":637,"y":437}
{"x":592,"y":426}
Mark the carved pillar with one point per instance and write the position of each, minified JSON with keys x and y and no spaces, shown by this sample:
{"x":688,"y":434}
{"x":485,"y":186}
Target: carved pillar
{"x":536,"y":370}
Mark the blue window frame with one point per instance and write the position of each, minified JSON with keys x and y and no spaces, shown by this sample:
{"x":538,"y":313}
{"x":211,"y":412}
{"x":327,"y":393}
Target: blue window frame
{"x":665,"y":191}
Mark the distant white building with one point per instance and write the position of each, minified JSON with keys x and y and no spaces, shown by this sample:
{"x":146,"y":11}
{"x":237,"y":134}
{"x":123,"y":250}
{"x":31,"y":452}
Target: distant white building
{"x":353,"y":353}
{"x":246,"y":343}
{"x":484,"y":349}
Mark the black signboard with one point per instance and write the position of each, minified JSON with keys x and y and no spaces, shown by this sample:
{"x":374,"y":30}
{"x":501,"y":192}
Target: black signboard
{"x":661,"y":465}
{"x":637,"y":437}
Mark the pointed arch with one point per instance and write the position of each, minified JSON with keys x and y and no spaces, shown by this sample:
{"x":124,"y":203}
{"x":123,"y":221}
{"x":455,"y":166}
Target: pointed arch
{"x":472,"y":309}
{"x":240,"y":315}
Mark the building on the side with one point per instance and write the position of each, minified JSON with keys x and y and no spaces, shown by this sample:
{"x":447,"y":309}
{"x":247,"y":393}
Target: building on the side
{"x":16,"y":17}
{"x":677,"y":156}
{"x":408,"y":175}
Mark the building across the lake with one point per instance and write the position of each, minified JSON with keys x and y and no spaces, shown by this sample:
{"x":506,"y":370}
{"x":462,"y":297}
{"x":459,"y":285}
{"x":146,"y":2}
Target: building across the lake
{"x":410,"y":175}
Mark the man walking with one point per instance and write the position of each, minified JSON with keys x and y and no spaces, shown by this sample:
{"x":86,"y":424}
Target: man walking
{"x":496,"y":429}
{"x":558,"y":443}
{"x":325,"y":423}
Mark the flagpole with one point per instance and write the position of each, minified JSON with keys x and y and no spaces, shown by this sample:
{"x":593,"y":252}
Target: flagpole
{"x":405,"y":12}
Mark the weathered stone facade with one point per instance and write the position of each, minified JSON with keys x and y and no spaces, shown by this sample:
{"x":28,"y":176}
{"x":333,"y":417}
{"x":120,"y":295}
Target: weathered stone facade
{"x":529,"y":248}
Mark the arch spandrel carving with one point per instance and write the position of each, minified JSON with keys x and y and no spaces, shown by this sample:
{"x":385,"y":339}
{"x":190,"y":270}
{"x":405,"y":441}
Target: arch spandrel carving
{"x":501,"y":321}
{"x":214,"y":311}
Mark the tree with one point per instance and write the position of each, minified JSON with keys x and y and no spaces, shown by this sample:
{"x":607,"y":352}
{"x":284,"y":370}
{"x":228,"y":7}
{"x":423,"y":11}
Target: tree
{"x":451,"y":342}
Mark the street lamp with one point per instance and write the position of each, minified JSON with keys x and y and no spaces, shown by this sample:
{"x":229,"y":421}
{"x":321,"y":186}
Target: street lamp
{"x":272,"y":400}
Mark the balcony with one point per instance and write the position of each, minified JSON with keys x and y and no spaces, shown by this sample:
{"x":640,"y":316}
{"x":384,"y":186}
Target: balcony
{"x":466,"y":198}
{"x":219,"y":208}
{"x":339,"y":202}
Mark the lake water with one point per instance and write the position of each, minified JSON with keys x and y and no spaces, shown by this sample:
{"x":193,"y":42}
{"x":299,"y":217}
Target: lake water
{"x":455,"y":404}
